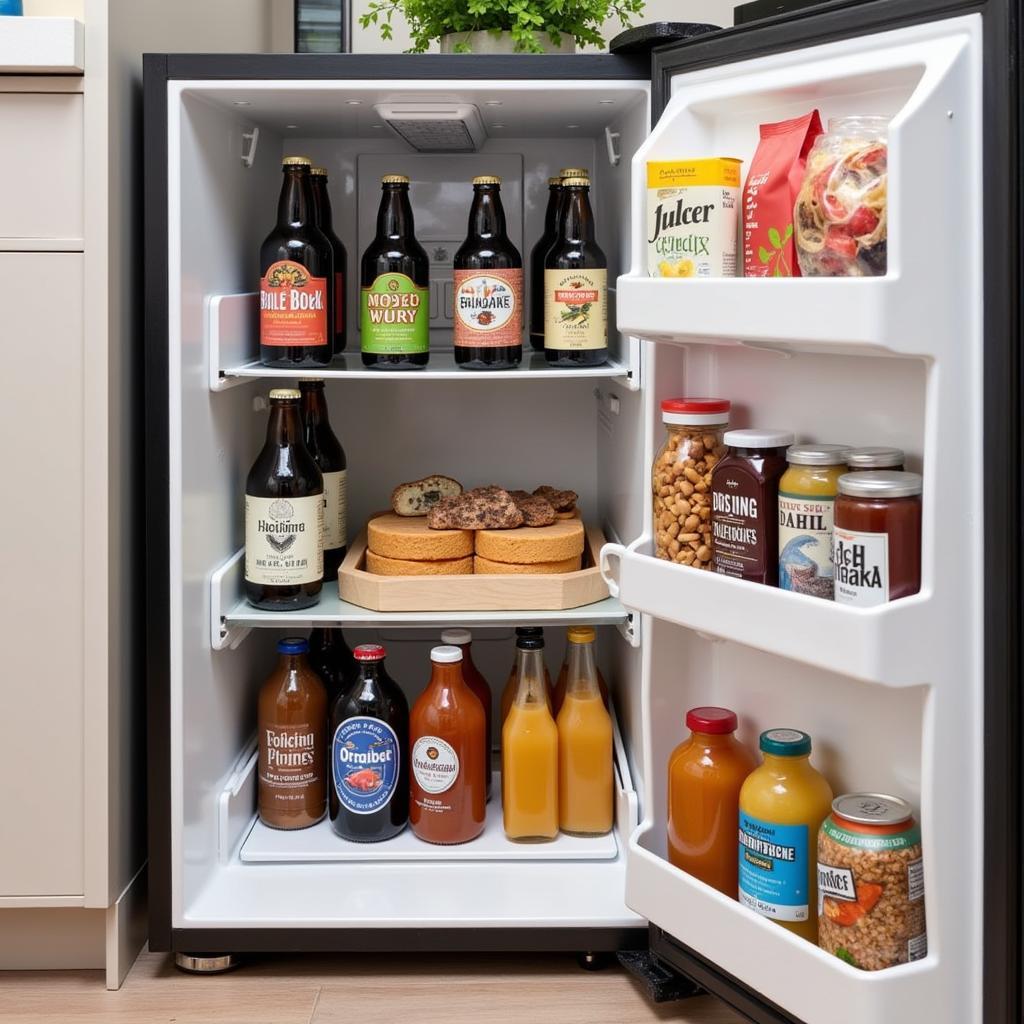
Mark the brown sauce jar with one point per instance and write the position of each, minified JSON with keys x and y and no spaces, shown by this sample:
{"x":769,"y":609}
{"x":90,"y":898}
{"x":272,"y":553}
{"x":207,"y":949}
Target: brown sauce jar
{"x":877,"y":538}
{"x":745,"y":505}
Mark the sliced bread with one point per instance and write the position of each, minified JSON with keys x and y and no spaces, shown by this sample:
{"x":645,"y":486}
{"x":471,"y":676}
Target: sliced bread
{"x":418,"y":497}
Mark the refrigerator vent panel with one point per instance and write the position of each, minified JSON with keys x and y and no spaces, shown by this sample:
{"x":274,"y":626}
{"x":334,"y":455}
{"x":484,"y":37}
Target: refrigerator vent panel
{"x":435,"y":128}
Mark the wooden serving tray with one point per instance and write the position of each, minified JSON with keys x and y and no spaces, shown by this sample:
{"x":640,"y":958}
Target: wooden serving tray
{"x":475,"y":592}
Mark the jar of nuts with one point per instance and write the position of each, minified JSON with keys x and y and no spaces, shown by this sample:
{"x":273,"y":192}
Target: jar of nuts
{"x":681,"y":479}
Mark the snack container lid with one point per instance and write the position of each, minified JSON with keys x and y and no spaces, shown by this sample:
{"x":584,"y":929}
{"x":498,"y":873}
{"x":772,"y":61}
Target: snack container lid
{"x":872,"y":808}
{"x":695,"y":411}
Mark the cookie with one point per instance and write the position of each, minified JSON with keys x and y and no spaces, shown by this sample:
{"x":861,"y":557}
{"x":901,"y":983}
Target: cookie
{"x":561,"y":501}
{"x":483,"y":508}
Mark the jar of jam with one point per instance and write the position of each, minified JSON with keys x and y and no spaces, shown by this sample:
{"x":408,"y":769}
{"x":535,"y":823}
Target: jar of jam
{"x":745,"y":504}
{"x":877,"y":537}
{"x":681,"y":478}
{"x":807,"y":492}
{"x":860,"y":459}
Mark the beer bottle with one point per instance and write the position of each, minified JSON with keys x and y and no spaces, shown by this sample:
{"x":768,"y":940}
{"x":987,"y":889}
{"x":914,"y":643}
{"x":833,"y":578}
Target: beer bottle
{"x":329,"y":456}
{"x":284,"y":515}
{"x":331,"y":659}
{"x":292,"y":724}
{"x":325,"y":222}
{"x":488,"y":314}
{"x":394,"y":277}
{"x":369,"y":792}
{"x":296,"y":265}
{"x":537,"y":254}
{"x":576,"y":285}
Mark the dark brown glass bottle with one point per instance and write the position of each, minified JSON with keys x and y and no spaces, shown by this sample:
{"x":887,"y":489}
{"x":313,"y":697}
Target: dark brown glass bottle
{"x":537,"y":254}
{"x":394,"y":277}
{"x":296,"y":268}
{"x":284,"y":515}
{"x":325,"y":222}
{"x":576,"y":285}
{"x":369,"y":791}
{"x":488,"y":313}
{"x":329,"y":456}
{"x":332,"y":660}
{"x":292,"y":727}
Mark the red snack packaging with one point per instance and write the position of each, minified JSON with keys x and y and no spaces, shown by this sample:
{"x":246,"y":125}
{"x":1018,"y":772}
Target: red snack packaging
{"x":769,"y":195}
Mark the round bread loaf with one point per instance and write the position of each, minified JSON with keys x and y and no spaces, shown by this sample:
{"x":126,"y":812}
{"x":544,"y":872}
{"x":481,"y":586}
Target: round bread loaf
{"x":529,"y":544}
{"x":405,"y":537}
{"x":483,"y":566}
{"x":383,"y":566}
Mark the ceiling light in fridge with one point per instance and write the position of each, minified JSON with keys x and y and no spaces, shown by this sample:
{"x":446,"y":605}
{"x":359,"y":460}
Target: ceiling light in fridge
{"x":432,"y":127}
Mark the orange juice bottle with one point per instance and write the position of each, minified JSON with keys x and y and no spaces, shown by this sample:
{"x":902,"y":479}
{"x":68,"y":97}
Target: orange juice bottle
{"x":529,"y":751}
{"x":509,"y":693}
{"x":584,"y":745}
{"x":705,"y":774}
{"x":782,"y":806}
{"x":558,"y":696}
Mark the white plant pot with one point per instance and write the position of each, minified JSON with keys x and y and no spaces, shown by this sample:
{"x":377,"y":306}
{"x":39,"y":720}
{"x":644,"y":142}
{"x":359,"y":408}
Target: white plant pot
{"x":486,"y":42}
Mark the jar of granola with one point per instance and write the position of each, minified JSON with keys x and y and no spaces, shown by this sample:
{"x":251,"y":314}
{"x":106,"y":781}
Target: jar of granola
{"x":681,"y":479}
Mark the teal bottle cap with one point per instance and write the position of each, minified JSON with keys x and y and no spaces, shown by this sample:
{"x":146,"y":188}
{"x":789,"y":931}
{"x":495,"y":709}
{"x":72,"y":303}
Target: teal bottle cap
{"x":785,"y":743}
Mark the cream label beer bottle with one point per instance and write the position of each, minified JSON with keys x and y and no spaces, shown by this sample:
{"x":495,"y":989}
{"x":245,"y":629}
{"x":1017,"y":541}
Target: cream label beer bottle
{"x":296,"y":278}
{"x":329,"y":456}
{"x":576,"y":285}
{"x":324,"y":218}
{"x":284,"y":515}
{"x":488,"y":307}
{"x":394,"y":316}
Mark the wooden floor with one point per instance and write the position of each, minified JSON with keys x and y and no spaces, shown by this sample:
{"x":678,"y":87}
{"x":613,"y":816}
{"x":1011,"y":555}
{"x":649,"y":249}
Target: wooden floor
{"x":359,"y":989}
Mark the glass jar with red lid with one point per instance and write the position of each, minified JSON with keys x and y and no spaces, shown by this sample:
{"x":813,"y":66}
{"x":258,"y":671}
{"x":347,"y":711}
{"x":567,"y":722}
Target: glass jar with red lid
{"x":876,"y":541}
{"x":681,"y":478}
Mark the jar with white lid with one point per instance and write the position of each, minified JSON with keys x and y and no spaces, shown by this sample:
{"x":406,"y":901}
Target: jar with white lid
{"x":681,"y":478}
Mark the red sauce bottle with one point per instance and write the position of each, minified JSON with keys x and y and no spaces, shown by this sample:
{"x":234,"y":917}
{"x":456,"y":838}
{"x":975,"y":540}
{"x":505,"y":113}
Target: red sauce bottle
{"x":463,"y":639}
{"x":876,"y":542}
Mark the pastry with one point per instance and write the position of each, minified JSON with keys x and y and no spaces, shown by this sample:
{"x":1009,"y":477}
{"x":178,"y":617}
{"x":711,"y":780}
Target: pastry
{"x":561,"y":501}
{"x":479,"y":509}
{"x":406,"y":537}
{"x":529,"y":545}
{"x":536,"y":511}
{"x":383,"y":566}
{"x":485,"y":565}
{"x":420,"y":496}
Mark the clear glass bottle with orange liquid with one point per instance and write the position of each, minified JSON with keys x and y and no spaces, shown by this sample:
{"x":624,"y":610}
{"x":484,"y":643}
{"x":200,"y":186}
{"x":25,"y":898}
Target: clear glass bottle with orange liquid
{"x":509,"y":693}
{"x":782,"y":805}
{"x":463,"y":639}
{"x":529,"y":751}
{"x":705,"y":774}
{"x":584,"y":746}
{"x":573,"y":635}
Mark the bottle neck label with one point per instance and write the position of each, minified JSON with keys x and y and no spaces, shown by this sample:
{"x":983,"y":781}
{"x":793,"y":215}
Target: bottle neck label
{"x":395,"y":316}
{"x":293,"y":307}
{"x":366,"y":763}
{"x":284,"y":540}
{"x":488,"y":308}
{"x":575,"y":309}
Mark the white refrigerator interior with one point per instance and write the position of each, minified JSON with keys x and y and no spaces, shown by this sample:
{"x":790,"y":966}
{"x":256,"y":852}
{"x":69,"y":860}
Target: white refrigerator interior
{"x":891,"y":695}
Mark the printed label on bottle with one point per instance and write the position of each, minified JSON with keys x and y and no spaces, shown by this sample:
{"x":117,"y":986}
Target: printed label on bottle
{"x":488,"y":308}
{"x":805,"y":544}
{"x":737,"y":525}
{"x":365,"y":764}
{"x":395,"y":316}
{"x":575,"y":309}
{"x":915,"y":880}
{"x":284,"y":540}
{"x":435,"y":764}
{"x":293,"y":306}
{"x":861,"y":567}
{"x":335,"y":510}
{"x":773,"y":863}
{"x":289,"y":760}
{"x":339,"y":303}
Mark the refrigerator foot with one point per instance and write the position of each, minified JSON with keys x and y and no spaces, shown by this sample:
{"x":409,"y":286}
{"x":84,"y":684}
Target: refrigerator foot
{"x":206,"y":963}
{"x":661,"y":983}
{"x":593,"y":961}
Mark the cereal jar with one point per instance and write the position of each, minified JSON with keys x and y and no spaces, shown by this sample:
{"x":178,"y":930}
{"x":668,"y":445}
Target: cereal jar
{"x":681,"y":479}
{"x":871,"y":882}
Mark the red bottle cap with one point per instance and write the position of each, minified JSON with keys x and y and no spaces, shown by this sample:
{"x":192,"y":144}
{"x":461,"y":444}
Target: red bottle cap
{"x":369,"y":652}
{"x":698,"y":405}
{"x":717,"y":721}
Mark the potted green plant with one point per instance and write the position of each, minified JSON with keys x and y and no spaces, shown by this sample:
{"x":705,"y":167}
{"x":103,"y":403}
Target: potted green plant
{"x":501,"y":26}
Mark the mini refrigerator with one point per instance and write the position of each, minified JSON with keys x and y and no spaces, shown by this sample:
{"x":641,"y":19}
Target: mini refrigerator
{"x":918,"y":697}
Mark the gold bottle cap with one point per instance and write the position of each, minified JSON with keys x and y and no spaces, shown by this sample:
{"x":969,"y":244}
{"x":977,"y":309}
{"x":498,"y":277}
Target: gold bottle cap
{"x":574,"y":172}
{"x":320,"y":172}
{"x":487,"y":179}
{"x":285,"y":393}
{"x":554,"y":181}
{"x":580,"y":634}
{"x":394,"y":179}
{"x":296,"y":161}
{"x":576,"y":181}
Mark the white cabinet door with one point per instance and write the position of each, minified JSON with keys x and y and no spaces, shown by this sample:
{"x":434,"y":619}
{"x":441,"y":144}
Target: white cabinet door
{"x":41,"y":598}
